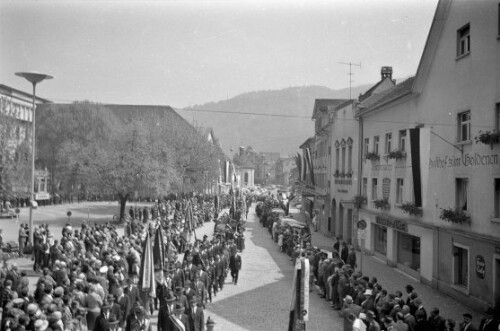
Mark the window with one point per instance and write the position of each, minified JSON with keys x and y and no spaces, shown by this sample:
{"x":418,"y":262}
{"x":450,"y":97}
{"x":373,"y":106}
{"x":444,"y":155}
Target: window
{"x":343,"y":159}
{"x":337,"y":159}
{"x":375,"y":144}
{"x":367,"y":144}
{"x":463,"y":40}
{"x":364,"y":188}
{"x":497,"y":117}
{"x":388,"y":142}
{"x":374,"y":188}
{"x":462,"y":192}
{"x":329,"y":150}
{"x":464,"y":126}
{"x":399,"y":190}
{"x":496,"y":202}
{"x":349,"y":159}
{"x":402,"y":140}
{"x":386,"y":188}
{"x":461,"y":266}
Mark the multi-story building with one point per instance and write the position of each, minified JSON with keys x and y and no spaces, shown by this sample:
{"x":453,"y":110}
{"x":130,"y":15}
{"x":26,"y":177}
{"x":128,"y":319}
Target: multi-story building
{"x":16,"y":111}
{"x":284,"y":168}
{"x":434,"y":191}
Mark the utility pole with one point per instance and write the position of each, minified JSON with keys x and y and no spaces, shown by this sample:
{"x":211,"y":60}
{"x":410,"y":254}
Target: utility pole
{"x":350,"y":64}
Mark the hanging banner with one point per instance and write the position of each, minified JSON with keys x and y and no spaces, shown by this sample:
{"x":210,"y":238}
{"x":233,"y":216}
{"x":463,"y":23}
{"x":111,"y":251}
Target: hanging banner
{"x":304,"y":293}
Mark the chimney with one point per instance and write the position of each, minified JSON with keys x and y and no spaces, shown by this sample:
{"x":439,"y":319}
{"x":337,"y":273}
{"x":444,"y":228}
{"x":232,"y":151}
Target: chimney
{"x":242,"y":150}
{"x":386,"y":72}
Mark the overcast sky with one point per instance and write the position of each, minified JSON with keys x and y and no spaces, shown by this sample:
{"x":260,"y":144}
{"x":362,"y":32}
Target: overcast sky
{"x":182,"y":53}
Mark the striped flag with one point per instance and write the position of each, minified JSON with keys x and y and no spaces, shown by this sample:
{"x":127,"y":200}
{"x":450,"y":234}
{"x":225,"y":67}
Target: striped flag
{"x":147,"y":282}
{"x":299,"y":304}
{"x":159,"y":254}
{"x":310,"y":165}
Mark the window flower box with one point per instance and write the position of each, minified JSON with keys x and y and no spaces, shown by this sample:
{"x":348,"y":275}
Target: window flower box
{"x":381,"y":203}
{"x":397,"y":155}
{"x":454,"y":216}
{"x":411,"y":209}
{"x":488,"y":137}
{"x":372,"y":156}
{"x":359,"y":201}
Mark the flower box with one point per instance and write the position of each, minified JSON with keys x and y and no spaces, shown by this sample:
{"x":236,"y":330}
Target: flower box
{"x":454,"y":216}
{"x":411,"y":209}
{"x":381,"y":203}
{"x":397,"y":155}
{"x":372,"y":156}
{"x":359,"y":201}
{"x":488,"y":137}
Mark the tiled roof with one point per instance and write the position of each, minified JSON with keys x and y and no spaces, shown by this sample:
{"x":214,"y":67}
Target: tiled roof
{"x":326,"y":104}
{"x":379,"y":99}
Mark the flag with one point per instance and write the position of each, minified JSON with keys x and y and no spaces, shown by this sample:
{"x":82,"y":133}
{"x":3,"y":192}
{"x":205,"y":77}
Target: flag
{"x":189,"y":217}
{"x":159,"y":254}
{"x":147,"y":282}
{"x":299,"y":304}
{"x":310,"y":164}
{"x":226,"y":171}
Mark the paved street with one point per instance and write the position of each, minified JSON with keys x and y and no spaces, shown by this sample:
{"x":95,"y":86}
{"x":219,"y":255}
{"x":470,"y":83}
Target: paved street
{"x":393,"y":279}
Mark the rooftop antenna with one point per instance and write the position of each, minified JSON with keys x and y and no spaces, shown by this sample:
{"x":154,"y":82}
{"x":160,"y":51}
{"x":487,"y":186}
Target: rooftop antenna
{"x":350,"y":64}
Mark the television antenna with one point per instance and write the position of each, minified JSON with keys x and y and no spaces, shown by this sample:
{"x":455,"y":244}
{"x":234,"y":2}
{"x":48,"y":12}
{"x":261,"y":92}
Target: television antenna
{"x":350,"y":64}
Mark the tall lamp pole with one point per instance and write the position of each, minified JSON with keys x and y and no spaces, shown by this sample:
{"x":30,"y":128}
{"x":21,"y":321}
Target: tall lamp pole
{"x":33,"y":78}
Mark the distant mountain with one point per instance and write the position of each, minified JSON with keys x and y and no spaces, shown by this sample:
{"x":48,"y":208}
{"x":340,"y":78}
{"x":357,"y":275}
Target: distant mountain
{"x":235,"y":123}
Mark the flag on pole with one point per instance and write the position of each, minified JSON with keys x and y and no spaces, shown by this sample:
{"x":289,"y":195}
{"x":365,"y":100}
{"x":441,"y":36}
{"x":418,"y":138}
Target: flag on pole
{"x":189,"y":217}
{"x":159,"y":254}
{"x":147,"y":282}
{"x":299,"y":304}
{"x":310,"y":164}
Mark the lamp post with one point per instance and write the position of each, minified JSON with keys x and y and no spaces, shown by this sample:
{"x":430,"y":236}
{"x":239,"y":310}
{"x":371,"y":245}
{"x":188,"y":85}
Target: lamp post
{"x":33,"y":78}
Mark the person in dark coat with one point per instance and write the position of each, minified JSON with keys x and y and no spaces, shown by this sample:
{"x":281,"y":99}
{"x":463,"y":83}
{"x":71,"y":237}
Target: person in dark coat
{"x":489,"y":322}
{"x":235,"y":266}
{"x":196,"y":316}
{"x":436,"y":321}
{"x":102,"y":323}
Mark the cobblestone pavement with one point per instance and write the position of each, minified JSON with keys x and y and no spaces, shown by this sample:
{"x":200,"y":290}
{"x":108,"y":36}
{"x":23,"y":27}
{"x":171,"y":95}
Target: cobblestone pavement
{"x":393,"y":279}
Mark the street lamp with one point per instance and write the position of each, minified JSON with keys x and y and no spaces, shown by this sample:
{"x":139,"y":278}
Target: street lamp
{"x":33,"y":78}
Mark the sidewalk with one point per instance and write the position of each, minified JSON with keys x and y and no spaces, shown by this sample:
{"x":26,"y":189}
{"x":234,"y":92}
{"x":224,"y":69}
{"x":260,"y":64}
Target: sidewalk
{"x":392,"y":279}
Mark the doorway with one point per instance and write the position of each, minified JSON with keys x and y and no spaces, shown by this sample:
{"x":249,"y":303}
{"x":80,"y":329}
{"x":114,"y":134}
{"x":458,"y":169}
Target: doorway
{"x":341,"y":221}
{"x":333,"y":216}
{"x":349,"y":227}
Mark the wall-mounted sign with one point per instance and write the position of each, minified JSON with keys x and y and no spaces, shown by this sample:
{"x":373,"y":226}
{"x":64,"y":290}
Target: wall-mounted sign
{"x":42,"y":196}
{"x":392,"y":223}
{"x":467,"y":160}
{"x":480,"y":267}
{"x":362,"y":224}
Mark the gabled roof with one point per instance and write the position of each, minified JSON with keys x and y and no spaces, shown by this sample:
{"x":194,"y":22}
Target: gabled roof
{"x":442,"y":11}
{"x":381,"y":99}
{"x":307,"y":143}
{"x":371,"y":91}
{"x":323,"y":105}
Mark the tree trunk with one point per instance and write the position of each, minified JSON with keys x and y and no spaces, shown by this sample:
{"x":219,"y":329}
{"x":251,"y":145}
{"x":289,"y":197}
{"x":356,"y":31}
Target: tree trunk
{"x":123,"y":203}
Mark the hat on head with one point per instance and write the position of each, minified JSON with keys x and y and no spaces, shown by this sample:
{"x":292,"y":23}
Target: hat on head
{"x":210,"y":321}
{"x":103,"y":270}
{"x":41,"y":325}
{"x":489,"y":311}
{"x":59,"y":291}
{"x":368,"y":292}
{"x":348,"y":299}
{"x":32,"y":308}
{"x":18,"y":301}
{"x":57,"y":315}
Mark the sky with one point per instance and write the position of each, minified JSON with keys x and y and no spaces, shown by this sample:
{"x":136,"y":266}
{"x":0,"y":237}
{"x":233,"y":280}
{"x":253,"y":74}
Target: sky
{"x":182,"y":53}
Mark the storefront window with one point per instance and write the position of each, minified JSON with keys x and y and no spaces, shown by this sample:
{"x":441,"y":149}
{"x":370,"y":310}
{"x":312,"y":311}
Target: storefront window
{"x":409,"y":251}
{"x":380,"y":239}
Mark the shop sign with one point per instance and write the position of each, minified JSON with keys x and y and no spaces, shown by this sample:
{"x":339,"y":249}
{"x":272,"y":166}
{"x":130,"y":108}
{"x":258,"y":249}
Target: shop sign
{"x":466,"y":160}
{"x":392,"y":223}
{"x":480,"y":267}
{"x":42,"y":196}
